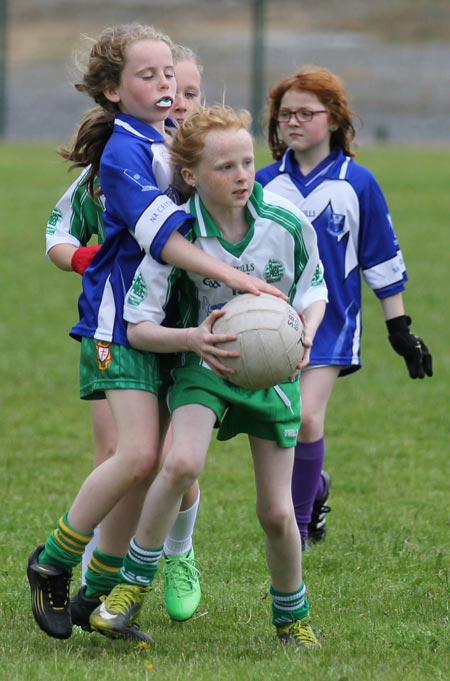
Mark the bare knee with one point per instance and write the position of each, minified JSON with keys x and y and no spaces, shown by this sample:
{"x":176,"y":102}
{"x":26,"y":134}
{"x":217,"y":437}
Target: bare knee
{"x":103,"y":451}
{"x":311,"y":425}
{"x":181,"y":470}
{"x":140,"y":465}
{"x":275,"y":519}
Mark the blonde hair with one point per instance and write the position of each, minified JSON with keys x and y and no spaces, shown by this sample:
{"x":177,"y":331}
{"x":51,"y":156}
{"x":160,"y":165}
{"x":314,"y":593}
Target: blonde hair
{"x":102,"y":71}
{"x":183,"y":53}
{"x":188,"y":144}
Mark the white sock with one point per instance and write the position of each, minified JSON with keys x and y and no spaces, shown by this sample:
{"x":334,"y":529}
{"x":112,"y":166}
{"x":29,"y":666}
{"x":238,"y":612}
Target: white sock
{"x":179,"y":540}
{"x":87,"y":555}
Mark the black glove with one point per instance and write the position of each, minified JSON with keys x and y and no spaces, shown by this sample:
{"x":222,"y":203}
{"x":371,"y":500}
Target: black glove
{"x":410,"y":347}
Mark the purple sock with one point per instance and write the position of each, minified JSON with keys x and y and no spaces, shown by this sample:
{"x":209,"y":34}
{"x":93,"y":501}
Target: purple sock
{"x":306,"y":480}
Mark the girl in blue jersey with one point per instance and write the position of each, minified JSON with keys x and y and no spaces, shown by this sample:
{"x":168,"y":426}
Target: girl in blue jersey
{"x":310,"y":134}
{"x":76,"y":218}
{"x":130,"y":75}
{"x":243,"y":225}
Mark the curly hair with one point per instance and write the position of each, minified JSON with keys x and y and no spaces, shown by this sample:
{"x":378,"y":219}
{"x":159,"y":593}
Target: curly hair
{"x":329,"y":90}
{"x":103,"y":70}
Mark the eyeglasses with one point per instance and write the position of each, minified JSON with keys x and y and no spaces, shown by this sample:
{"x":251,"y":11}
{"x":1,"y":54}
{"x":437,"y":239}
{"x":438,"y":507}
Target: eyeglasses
{"x":300,"y":115}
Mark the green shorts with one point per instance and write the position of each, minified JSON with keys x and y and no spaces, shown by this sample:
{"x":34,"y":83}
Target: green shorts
{"x":109,"y":366}
{"x":272,"y":414}
{"x":167,"y":362}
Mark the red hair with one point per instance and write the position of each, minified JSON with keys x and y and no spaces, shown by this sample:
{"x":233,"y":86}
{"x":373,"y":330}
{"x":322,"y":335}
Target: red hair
{"x":329,"y":90}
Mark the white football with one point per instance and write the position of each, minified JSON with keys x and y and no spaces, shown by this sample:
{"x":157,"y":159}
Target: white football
{"x":269,"y":339}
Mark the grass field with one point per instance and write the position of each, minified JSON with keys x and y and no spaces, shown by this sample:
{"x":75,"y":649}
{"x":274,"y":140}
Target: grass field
{"x":379,"y":586}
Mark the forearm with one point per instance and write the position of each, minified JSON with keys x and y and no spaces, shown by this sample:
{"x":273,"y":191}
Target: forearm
{"x":151,"y":337}
{"x":61,"y":256}
{"x":178,"y":251}
{"x":313,"y":316}
{"x":393,"y":306}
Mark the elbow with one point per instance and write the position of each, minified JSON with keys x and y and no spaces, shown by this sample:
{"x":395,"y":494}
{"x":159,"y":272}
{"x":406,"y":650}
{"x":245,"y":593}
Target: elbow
{"x":145,"y":336}
{"x":61,"y":256}
{"x":133,"y":336}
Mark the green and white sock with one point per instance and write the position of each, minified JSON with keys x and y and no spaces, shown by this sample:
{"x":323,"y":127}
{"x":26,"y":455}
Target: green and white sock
{"x":289,"y":607}
{"x":140,"y":565}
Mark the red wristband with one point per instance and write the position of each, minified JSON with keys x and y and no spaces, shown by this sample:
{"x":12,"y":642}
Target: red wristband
{"x":83,"y":257}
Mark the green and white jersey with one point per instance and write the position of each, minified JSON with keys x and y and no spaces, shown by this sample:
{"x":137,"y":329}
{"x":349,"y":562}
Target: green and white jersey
{"x":280,"y":247}
{"x":76,"y":217}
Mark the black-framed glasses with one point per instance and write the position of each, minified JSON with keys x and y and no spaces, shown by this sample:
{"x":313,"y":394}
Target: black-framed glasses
{"x":300,"y":115}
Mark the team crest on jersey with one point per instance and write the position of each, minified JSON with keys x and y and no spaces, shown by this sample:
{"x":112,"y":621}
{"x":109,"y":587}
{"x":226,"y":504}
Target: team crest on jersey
{"x":138,"y":291}
{"x":336,"y":223}
{"x":53,"y":220}
{"x":104,"y":356}
{"x":318,"y":276}
{"x":274,"y":271}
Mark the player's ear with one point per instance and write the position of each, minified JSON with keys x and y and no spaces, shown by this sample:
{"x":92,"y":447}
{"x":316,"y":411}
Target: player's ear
{"x":188,"y":176}
{"x":112,"y":95}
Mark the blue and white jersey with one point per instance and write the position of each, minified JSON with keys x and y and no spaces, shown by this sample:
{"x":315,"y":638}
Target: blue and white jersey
{"x":280,"y":247}
{"x":355,"y":236}
{"x":139,"y":218}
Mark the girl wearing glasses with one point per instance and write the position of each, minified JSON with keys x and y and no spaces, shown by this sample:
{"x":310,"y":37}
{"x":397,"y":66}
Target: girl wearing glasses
{"x":310,"y":134}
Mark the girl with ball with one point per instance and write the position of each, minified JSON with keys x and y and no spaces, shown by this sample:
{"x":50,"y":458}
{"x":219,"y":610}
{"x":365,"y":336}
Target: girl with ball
{"x":244,"y":226}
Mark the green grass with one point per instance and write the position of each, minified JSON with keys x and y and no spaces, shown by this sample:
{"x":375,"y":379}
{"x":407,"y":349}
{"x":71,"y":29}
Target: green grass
{"x":379,"y":586}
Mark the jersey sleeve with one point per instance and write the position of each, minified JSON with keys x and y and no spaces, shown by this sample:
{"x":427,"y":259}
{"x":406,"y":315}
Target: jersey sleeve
{"x":149,"y":295}
{"x":380,"y":257}
{"x":76,"y":217}
{"x":136,"y":203}
{"x":310,"y":285}
{"x":307,"y":282}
